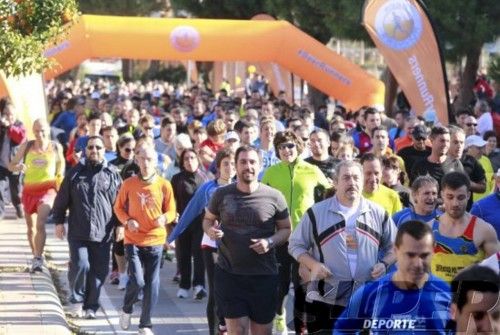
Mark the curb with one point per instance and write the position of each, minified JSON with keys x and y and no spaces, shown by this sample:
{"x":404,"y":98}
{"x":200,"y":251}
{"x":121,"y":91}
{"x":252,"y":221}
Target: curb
{"x":29,"y":302}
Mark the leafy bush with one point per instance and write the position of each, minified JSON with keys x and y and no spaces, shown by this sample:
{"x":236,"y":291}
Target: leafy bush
{"x":27,"y":28}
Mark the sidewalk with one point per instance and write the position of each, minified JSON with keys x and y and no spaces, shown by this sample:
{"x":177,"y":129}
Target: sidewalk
{"x":28,"y":302}
{"x":170,"y":316}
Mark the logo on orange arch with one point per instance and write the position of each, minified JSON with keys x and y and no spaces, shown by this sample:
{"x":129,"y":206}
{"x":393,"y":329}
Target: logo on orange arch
{"x":185,"y":38}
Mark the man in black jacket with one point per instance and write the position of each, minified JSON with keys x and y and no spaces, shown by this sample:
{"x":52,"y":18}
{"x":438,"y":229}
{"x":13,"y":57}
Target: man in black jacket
{"x":89,"y":191}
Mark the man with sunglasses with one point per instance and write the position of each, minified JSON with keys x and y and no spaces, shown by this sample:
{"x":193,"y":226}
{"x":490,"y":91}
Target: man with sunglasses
{"x":94,"y":123}
{"x":405,"y":141}
{"x":418,"y":149}
{"x":147,"y":126}
{"x":89,"y":191}
{"x":470,"y":125}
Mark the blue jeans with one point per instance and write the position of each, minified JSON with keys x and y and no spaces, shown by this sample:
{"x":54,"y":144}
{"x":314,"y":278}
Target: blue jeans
{"x":88,"y":268}
{"x":144,"y":274}
{"x":9,"y":183}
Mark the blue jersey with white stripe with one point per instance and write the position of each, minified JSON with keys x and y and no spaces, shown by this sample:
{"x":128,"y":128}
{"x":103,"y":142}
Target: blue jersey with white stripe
{"x":383,"y":308}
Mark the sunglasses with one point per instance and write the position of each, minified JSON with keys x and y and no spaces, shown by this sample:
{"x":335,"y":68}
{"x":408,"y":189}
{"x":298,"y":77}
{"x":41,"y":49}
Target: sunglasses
{"x":282,"y":146}
{"x":471,"y":124}
{"x":128,"y":150}
{"x":91,"y":147}
{"x":420,"y":138}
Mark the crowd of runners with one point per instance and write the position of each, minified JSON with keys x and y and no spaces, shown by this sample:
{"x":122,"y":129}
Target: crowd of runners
{"x":379,"y":222}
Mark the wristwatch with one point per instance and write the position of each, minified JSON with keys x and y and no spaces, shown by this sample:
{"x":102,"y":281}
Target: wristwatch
{"x":270,"y":243}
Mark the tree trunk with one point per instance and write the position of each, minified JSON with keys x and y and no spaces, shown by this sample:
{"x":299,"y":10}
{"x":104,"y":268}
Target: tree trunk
{"x":391,"y":90}
{"x":316,"y":98}
{"x":154,"y":68}
{"x":127,"y":69}
{"x":204,"y":72}
{"x":466,"y":94}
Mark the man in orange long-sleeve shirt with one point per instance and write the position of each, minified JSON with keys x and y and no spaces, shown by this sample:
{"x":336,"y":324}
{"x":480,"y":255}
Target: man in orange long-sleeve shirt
{"x":145,"y":204}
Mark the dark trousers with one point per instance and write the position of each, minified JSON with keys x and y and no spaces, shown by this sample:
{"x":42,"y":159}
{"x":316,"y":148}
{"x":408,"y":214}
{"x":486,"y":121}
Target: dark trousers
{"x":188,"y":244}
{"x":144,"y":274}
{"x":88,"y":268}
{"x":321,"y":317}
{"x":13,"y":183}
{"x":288,"y":269}
{"x":213,"y":315}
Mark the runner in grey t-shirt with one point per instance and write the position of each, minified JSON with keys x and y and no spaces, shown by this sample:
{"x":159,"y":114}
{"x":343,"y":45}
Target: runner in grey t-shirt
{"x":248,"y":219}
{"x":243,"y":217}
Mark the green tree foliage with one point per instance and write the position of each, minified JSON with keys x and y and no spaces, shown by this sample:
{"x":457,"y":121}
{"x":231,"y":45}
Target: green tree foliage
{"x":494,"y":68}
{"x":120,"y":7}
{"x":463,"y":27}
{"x":28,"y":27}
{"x":464,"y":24}
{"x":221,"y":9}
{"x":323,"y":19}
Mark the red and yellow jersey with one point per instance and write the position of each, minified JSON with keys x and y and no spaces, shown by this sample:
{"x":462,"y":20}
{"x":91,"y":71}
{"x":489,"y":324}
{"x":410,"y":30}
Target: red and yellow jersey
{"x":452,"y":254}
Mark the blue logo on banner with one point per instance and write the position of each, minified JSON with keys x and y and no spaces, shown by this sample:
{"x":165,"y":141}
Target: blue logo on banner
{"x":398,"y":24}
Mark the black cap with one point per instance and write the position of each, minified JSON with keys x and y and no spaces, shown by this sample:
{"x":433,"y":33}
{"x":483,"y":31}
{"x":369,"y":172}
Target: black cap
{"x":420,"y":131}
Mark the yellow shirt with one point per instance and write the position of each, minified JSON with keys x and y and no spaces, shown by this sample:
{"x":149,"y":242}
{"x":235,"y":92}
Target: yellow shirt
{"x":489,"y":173}
{"x":385,"y":197}
{"x":40,"y":173}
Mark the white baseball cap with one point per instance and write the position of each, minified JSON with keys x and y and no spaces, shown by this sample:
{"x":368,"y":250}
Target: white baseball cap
{"x":474,"y":140}
{"x":231,"y":135}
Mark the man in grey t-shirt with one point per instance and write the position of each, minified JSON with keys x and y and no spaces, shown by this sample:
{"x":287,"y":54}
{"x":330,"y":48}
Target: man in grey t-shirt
{"x":248,"y":219}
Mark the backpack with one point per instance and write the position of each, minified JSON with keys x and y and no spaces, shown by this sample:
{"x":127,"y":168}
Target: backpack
{"x":325,"y":291}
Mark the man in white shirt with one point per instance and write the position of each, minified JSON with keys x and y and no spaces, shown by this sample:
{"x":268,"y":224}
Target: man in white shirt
{"x":484,"y":118}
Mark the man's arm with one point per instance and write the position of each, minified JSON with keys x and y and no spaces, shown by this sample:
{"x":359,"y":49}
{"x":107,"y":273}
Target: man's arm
{"x":60,"y":162}
{"x":120,"y":204}
{"x":477,"y":178}
{"x":487,"y":238}
{"x":283,"y":230}
{"x":15,"y":165}
{"x":478,"y":187}
{"x":169,"y":208}
{"x":300,"y":245}
{"x":193,"y":209}
{"x":210,"y":227}
{"x":61,"y":204}
{"x":386,"y":247}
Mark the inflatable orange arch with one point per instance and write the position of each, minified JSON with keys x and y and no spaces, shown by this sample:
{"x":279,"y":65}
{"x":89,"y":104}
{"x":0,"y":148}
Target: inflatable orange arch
{"x":96,"y":36}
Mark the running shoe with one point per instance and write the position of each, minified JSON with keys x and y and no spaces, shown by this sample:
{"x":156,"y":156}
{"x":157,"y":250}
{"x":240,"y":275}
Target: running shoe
{"x":182,"y":293}
{"x":280,"y":324}
{"x":125,"y":320}
{"x":37,"y":265}
{"x":199,"y":292}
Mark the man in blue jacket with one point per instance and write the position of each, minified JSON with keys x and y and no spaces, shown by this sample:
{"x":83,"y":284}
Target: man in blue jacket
{"x":89,"y":191}
{"x":487,"y":208}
